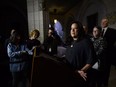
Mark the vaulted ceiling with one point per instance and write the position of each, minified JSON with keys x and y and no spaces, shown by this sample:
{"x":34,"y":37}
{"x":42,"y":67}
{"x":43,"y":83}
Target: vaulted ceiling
{"x":60,"y":6}
{"x":14,"y":12}
{"x":53,"y":6}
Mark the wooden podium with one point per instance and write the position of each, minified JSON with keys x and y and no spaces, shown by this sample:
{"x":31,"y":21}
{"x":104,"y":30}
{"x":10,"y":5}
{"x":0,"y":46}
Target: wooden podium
{"x":47,"y":71}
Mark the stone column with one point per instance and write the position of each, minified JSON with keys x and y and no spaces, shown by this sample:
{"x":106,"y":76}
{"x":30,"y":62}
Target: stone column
{"x":37,"y":17}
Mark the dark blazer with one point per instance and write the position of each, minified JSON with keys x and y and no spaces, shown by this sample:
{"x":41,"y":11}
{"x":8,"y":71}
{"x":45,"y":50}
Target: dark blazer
{"x":110,"y":36}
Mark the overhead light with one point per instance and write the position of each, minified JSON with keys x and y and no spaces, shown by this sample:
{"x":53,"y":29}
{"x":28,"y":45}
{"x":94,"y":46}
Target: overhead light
{"x":55,"y":20}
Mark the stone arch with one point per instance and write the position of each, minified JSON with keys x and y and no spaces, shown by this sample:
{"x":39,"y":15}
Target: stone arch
{"x":87,"y":6}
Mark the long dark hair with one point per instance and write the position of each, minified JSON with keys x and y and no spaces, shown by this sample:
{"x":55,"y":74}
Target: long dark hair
{"x":99,"y":28}
{"x":14,"y":38}
{"x":81,"y":32}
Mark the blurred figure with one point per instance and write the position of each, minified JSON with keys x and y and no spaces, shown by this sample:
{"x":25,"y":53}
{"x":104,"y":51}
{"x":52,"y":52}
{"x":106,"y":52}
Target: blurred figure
{"x":51,"y":42}
{"x":58,"y":28}
{"x":86,"y":32}
{"x":100,"y":46}
{"x":18,"y":54}
{"x":32,"y":42}
{"x":6,"y":58}
{"x":110,"y":35}
{"x":33,"y":39}
{"x":7,"y":40}
{"x":85,"y":29}
{"x":80,"y":54}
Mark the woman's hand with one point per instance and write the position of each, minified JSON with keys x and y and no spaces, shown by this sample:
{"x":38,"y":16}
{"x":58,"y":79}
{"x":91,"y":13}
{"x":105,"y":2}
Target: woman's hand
{"x":82,"y":74}
{"x":33,"y":48}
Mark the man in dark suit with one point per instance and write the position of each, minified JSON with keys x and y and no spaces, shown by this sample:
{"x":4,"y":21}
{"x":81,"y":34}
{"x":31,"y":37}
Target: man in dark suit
{"x":110,"y":35}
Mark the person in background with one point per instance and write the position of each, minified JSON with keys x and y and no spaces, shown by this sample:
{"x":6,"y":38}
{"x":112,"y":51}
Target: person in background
{"x":33,"y":39}
{"x":100,"y":46}
{"x":88,"y":35}
{"x":51,"y":42}
{"x":110,"y":35}
{"x":80,"y":53}
{"x":18,"y":53}
{"x":7,"y":40}
{"x":32,"y":42}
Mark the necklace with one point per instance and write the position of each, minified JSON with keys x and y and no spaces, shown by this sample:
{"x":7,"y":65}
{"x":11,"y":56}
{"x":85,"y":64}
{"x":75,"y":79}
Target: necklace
{"x":71,"y":45}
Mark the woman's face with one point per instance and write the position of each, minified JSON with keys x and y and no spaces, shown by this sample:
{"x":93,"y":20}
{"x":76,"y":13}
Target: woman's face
{"x":34,"y":36}
{"x":74,"y":30}
{"x":50,"y":32}
{"x":96,"y":32}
